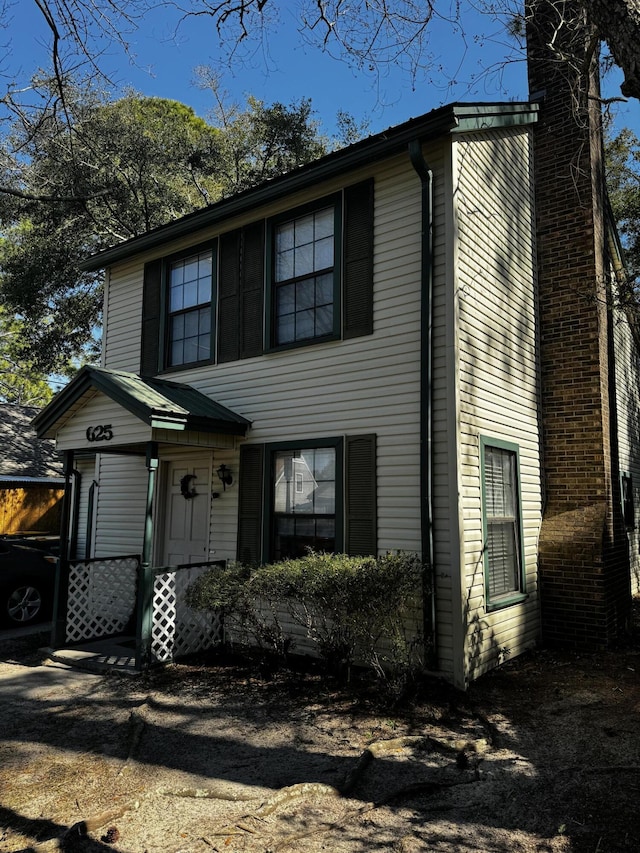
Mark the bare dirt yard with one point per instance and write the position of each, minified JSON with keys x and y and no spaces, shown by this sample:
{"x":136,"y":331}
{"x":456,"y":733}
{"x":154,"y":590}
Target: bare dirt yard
{"x":212,"y":755}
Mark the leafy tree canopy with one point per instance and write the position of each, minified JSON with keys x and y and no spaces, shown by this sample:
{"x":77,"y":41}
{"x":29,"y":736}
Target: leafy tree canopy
{"x":623,"y":178}
{"x":20,"y":383}
{"x":87,"y":173}
{"x":78,"y":173}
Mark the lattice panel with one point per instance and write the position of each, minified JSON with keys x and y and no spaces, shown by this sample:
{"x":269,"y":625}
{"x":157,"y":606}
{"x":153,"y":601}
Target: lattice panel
{"x":102,"y":597}
{"x":177,"y":629}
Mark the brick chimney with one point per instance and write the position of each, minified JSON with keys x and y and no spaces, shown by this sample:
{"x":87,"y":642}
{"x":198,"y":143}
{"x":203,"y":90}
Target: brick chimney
{"x":583,"y":550}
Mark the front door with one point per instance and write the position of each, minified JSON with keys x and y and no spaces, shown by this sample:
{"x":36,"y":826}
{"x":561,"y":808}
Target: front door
{"x":187,"y":505}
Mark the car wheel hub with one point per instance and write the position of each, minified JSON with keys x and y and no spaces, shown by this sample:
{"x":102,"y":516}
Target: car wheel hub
{"x":24,"y":604}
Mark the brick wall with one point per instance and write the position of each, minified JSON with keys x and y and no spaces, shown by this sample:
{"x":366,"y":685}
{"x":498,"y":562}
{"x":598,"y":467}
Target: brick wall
{"x":584,"y":565}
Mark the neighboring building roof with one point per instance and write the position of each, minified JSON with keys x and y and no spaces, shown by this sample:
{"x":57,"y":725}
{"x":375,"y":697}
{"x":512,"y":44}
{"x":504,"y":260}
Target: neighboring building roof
{"x":22,"y":453}
{"x":449,"y":119}
{"x":157,"y":402}
{"x":8,"y":480}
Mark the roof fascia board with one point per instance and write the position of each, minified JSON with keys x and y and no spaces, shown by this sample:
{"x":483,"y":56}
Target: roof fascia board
{"x":83,"y":382}
{"x":62,"y":402}
{"x":198,"y":424}
{"x":385,"y":144}
{"x":479,"y":121}
{"x":164,"y":422}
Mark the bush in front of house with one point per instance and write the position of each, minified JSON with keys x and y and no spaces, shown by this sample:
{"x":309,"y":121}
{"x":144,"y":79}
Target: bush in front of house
{"x":364,"y":610}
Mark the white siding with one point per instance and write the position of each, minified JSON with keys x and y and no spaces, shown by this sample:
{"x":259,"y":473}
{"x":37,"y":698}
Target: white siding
{"x":121,"y":505}
{"x":484,"y":378}
{"x":123,"y":318}
{"x":363,"y":385}
{"x":100,"y":410}
{"x":224,"y":509}
{"x":498,"y":371}
{"x":368,"y":384}
{"x":86,"y":469}
{"x":627,"y":376}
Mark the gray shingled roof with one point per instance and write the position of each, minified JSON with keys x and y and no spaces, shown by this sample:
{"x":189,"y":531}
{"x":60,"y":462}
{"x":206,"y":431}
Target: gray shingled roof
{"x":22,"y":453}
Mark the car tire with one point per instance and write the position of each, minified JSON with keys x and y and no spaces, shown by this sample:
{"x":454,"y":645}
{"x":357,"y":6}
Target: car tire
{"x":23,"y":603}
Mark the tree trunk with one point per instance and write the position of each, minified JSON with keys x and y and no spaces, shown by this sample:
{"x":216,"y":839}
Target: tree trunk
{"x":618,"y":22}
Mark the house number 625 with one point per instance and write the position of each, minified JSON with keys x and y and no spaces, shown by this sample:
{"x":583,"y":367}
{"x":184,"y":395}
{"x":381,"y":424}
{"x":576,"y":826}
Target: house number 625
{"x":102,"y":432}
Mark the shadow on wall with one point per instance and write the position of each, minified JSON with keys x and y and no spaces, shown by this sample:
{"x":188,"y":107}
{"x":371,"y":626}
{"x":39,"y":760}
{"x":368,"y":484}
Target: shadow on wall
{"x":482,"y":647}
{"x":498,"y":371}
{"x":33,"y":508}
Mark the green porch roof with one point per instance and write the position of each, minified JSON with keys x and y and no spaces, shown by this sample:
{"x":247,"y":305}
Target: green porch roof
{"x":154,"y":401}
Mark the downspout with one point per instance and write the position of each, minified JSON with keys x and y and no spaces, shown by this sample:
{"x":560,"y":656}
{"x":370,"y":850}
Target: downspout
{"x":426,"y":410}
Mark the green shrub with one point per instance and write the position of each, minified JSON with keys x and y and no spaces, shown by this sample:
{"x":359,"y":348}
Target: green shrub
{"x":231,"y":592}
{"x":353,"y":609}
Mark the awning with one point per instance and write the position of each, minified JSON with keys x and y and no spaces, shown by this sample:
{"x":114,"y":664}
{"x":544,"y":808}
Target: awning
{"x":101,"y":410}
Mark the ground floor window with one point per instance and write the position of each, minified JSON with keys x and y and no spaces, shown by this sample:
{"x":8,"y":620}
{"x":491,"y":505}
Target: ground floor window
{"x":503,"y":552}
{"x":626,"y":493}
{"x":318,"y":493}
{"x":304,"y":500}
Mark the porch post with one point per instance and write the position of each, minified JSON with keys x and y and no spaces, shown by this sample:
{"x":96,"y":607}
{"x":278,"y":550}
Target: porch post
{"x":61,"y":593}
{"x":145,"y":583}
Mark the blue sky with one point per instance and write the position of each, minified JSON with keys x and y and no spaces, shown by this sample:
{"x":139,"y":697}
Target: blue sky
{"x":286,"y":70}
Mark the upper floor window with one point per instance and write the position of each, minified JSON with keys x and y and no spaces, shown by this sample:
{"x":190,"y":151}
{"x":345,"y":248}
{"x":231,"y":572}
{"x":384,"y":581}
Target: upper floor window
{"x":190,"y":324}
{"x":503,"y":552}
{"x":306,"y":276}
{"x":301,"y":277}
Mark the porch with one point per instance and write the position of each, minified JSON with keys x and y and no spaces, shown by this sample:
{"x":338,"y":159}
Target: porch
{"x":117,"y":615}
{"x":150,"y":440}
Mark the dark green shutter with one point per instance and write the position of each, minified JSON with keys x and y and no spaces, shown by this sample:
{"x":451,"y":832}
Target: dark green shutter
{"x":358,"y":260}
{"x":241,"y":293}
{"x":252,"y":291}
{"x":229,"y":297}
{"x":250,"y":503}
{"x":151,"y":319}
{"x":361,"y":518}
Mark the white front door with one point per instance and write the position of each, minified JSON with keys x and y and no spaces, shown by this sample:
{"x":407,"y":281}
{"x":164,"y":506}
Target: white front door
{"x":186,"y":537}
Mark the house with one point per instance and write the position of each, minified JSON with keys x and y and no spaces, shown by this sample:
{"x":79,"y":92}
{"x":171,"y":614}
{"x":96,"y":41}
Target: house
{"x":31,"y":481}
{"x":409,"y":344}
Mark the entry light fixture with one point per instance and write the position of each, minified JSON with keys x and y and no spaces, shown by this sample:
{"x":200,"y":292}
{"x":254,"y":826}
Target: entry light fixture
{"x":225,"y":476}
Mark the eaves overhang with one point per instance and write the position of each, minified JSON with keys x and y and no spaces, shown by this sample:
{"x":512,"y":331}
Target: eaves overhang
{"x":453,"y":118}
{"x":155,"y":402}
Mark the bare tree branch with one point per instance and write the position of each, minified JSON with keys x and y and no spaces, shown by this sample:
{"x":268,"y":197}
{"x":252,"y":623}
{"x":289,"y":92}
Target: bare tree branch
{"x":4,"y":190}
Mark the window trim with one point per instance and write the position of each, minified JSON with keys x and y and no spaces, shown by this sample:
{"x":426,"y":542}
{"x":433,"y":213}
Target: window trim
{"x":515,"y":596}
{"x":336,"y":200}
{"x":269,"y":482}
{"x":165,"y":337}
{"x":630,"y":524}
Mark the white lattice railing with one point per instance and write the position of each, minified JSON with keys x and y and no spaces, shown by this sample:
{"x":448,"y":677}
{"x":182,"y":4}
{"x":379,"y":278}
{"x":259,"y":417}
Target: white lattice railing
{"x":178,"y":630}
{"x":101,"y":598}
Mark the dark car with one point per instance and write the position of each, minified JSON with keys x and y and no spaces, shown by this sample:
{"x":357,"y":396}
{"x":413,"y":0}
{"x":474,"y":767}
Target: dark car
{"x":27,"y":578}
